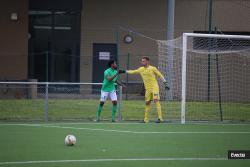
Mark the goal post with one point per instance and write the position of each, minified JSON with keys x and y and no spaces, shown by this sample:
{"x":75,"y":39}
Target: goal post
{"x":183,"y":79}
{"x":225,"y":79}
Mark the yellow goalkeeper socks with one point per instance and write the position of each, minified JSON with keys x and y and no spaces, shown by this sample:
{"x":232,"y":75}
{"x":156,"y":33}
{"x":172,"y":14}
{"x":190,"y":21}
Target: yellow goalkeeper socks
{"x":158,"y":110}
{"x":146,"y":115}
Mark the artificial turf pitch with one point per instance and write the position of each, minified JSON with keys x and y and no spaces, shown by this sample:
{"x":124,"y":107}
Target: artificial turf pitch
{"x":122,"y":144}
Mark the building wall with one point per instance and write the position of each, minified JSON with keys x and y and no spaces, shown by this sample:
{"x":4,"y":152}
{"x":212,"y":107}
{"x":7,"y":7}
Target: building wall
{"x":228,"y":15}
{"x":14,"y":40}
{"x":100,"y":19}
{"x":99,"y":25}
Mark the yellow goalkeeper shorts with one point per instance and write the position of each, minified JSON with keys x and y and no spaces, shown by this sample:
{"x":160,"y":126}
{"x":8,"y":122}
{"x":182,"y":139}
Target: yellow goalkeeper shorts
{"x":152,"y":95}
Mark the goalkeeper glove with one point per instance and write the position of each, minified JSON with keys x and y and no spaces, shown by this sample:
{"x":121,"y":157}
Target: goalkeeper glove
{"x":166,"y":85}
{"x":121,"y":71}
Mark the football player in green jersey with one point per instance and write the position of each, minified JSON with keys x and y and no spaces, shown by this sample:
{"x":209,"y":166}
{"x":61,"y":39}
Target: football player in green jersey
{"x":108,"y":88}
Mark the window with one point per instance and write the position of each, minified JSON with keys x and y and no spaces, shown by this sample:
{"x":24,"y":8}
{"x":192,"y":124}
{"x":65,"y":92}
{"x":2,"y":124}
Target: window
{"x":54,"y":34}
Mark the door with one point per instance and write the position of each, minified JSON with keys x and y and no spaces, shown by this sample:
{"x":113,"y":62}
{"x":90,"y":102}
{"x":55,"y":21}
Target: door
{"x":102,"y":53}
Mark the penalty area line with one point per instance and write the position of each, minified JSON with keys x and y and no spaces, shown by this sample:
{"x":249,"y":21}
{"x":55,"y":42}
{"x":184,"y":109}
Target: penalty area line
{"x":134,"y":132}
{"x":113,"y":160}
{"x":149,"y":132}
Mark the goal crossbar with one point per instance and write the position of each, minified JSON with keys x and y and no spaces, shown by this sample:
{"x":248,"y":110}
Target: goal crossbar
{"x":216,"y":36}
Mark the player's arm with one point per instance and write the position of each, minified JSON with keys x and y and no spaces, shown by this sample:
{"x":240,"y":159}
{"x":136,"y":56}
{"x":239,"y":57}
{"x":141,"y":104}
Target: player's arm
{"x":110,"y":78}
{"x":137,"y":71}
{"x":159,"y":74}
{"x":120,"y":83}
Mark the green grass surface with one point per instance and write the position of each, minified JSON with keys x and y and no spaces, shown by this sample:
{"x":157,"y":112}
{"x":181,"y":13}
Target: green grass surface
{"x":60,"y":109}
{"x":22,"y":143}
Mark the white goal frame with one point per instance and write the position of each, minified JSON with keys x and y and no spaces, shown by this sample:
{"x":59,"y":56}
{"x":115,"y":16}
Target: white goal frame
{"x":184,"y":62}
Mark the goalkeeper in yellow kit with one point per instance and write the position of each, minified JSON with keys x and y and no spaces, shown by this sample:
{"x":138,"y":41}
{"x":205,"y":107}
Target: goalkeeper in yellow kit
{"x":149,"y":76}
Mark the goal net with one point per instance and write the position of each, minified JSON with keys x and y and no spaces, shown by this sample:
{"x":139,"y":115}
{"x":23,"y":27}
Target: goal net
{"x":209,"y":76}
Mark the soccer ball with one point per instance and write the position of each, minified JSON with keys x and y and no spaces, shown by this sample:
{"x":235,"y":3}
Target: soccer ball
{"x":70,"y":140}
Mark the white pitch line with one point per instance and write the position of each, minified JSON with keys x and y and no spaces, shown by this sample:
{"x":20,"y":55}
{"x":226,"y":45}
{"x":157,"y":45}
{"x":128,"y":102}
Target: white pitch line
{"x":113,"y":160}
{"x":139,"y":123}
{"x":149,"y":132}
{"x":131,"y":123}
{"x":135,"y":132}
{"x":168,"y":123}
{"x":136,"y":122}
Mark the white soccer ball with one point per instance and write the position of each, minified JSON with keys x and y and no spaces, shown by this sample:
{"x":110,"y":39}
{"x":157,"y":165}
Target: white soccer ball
{"x":70,"y":140}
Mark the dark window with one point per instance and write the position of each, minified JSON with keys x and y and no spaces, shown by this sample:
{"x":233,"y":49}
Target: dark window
{"x":54,"y":43}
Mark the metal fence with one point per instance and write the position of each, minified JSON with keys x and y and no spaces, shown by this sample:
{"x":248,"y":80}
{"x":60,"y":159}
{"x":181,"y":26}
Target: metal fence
{"x":44,"y":101}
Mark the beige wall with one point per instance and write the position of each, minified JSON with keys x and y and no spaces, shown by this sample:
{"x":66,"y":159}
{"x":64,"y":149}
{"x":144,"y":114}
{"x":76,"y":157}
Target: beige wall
{"x":232,"y":15}
{"x":228,"y":15}
{"x":100,"y":19}
{"x":14,"y":40}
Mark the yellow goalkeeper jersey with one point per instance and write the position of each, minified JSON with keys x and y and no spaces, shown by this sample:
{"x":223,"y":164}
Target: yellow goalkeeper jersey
{"x":149,"y":76}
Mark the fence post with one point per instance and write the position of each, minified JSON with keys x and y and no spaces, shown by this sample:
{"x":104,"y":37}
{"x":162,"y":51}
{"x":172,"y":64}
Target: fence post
{"x":120,"y":104}
{"x":128,"y":59}
{"x":46,"y":102}
{"x":32,"y":92}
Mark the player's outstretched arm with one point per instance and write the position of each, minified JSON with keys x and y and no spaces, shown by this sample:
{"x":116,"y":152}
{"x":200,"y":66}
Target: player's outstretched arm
{"x":121,"y":71}
{"x":110,"y":78}
{"x":137,"y":71}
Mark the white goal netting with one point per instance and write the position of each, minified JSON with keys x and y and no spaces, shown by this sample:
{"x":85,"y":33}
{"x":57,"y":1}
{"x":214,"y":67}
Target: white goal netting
{"x":217,"y":77}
